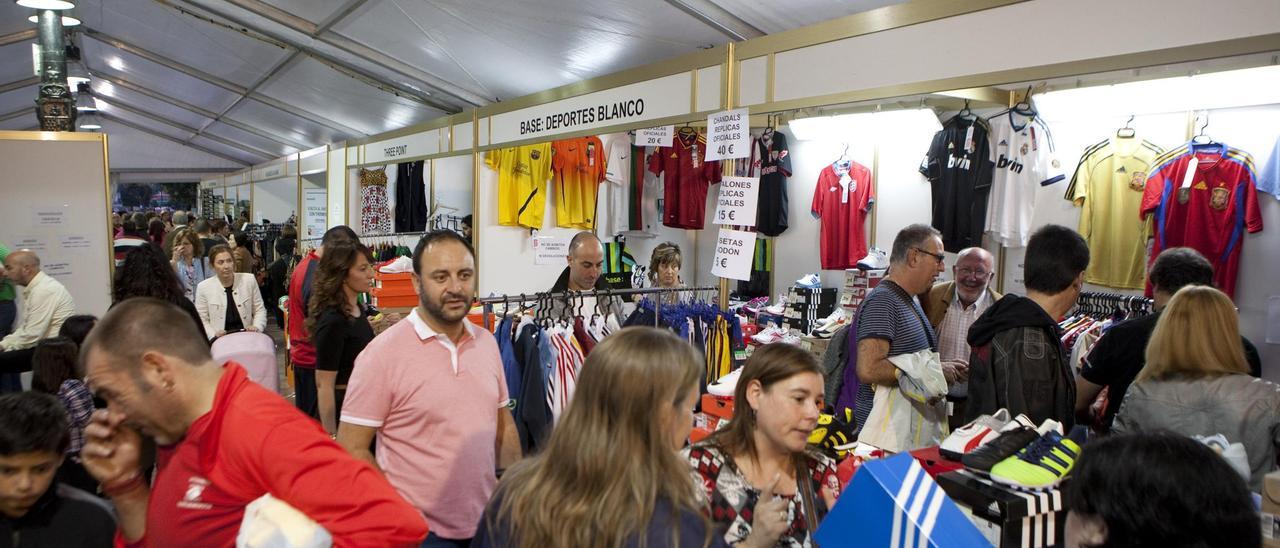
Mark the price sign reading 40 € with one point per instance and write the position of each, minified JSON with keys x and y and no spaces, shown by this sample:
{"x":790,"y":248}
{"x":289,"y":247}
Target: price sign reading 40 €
{"x":738,"y":200}
{"x":733,"y":254}
{"x":729,"y":135}
{"x":655,"y":136}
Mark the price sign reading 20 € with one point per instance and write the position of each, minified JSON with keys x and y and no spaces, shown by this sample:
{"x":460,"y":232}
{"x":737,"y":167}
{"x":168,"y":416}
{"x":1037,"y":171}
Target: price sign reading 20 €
{"x":655,"y":136}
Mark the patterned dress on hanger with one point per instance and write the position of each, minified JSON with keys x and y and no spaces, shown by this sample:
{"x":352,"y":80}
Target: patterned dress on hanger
{"x":375,"y":215}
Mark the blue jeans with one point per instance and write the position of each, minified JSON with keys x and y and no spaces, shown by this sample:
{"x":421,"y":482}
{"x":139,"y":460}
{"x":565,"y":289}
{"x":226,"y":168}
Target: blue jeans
{"x":432,"y":541}
{"x":304,"y":391}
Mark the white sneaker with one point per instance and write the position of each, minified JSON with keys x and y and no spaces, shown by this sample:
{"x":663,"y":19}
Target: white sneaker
{"x":1049,"y":425}
{"x":726,"y":385}
{"x":790,"y":339}
{"x":974,"y":435}
{"x":836,"y":316}
{"x":811,"y":281}
{"x":779,"y":306}
{"x":771,"y":334}
{"x":876,"y":259}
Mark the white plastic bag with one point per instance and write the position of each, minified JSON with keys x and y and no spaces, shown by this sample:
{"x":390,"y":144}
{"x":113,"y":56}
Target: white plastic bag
{"x":912,"y":414}
{"x":272,"y":523}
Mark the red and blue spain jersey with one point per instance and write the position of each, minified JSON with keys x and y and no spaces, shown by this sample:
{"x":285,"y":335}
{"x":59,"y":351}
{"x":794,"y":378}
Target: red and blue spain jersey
{"x":1208,"y":209}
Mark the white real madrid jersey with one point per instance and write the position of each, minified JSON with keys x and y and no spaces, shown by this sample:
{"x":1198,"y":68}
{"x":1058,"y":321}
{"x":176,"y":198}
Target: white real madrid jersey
{"x":1022,"y":152}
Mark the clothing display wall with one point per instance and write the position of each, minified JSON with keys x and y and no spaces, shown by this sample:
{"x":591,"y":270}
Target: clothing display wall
{"x":627,"y":202}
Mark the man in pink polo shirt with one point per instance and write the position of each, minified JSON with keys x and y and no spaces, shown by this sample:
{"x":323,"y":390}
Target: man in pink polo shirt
{"x":431,"y":388}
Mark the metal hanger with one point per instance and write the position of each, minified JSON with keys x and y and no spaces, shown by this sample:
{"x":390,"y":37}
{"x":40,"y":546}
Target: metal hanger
{"x":1024,"y":107}
{"x":1127,"y":132}
{"x":1201,"y":137}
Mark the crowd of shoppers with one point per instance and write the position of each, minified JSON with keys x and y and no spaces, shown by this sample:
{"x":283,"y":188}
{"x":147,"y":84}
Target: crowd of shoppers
{"x":406,"y":437}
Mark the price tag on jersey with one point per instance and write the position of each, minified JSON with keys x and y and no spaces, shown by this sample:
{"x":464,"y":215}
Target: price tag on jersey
{"x":738,"y":200}
{"x":660,"y":136}
{"x":1190,"y":175}
{"x":729,"y":135}
{"x":734,"y":250}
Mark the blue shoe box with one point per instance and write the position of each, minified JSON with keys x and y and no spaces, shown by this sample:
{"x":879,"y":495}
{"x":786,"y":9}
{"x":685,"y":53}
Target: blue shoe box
{"x":894,"y":502}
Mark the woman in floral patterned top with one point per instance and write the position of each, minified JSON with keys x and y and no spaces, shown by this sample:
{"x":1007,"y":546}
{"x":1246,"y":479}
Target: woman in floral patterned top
{"x":761,"y":481}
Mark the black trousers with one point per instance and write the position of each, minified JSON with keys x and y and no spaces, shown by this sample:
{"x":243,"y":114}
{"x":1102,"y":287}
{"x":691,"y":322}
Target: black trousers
{"x":304,"y":390}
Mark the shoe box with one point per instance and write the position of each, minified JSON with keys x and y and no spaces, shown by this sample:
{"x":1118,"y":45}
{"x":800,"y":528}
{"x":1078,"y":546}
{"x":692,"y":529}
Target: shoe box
{"x":894,"y":502}
{"x":1271,"y":510}
{"x":765,"y":319}
{"x":713,"y":413}
{"x":857,"y":284}
{"x":806,"y":306}
{"x":803,"y":296}
{"x":1008,"y":517}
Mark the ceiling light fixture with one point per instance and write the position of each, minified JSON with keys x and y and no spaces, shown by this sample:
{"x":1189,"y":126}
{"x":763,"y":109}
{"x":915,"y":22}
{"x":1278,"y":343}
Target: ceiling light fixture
{"x":88,"y":120}
{"x":67,"y":20}
{"x":46,"y":4}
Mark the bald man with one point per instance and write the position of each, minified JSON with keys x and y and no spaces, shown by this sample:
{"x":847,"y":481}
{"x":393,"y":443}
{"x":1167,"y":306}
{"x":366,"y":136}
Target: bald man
{"x":45,"y":302}
{"x":586,"y":263}
{"x":952,"y":307}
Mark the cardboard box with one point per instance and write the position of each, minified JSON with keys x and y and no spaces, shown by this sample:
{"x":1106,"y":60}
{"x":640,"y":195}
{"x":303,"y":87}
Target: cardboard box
{"x":1013,"y":518}
{"x":894,"y":502}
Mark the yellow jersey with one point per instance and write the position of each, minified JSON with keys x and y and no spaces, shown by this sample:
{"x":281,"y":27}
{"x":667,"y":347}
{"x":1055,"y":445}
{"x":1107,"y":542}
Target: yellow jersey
{"x":522,"y":183}
{"x":1108,"y":186}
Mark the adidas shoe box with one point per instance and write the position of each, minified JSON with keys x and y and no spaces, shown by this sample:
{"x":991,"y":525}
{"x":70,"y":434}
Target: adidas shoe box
{"x":894,"y":502}
{"x":1008,"y":517}
{"x":812,"y":297}
{"x":806,"y":306}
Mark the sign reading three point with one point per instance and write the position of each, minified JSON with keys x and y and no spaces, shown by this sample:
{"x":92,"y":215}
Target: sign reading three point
{"x":734,"y":250}
{"x":737,"y":202}
{"x":729,"y":135}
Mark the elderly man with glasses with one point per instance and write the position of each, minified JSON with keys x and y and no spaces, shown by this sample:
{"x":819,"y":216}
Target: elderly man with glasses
{"x":951,"y":308}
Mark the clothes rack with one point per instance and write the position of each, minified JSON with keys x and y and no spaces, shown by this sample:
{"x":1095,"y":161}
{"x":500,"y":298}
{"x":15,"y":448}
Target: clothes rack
{"x":547,"y":297}
{"x":1102,"y":304}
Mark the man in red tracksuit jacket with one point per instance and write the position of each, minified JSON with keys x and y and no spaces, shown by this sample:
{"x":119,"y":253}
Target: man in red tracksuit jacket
{"x":224,"y":442}
{"x":302,"y":354}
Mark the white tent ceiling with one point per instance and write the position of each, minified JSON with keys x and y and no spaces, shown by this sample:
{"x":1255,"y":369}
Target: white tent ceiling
{"x":220,"y":84}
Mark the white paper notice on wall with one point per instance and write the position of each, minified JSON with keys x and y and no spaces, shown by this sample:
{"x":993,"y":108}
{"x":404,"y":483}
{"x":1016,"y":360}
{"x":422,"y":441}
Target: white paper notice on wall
{"x":550,"y":250}
{"x":729,"y":135}
{"x":48,"y":216}
{"x":1273,"y":320}
{"x":655,"y":136}
{"x":738,"y":200}
{"x":75,"y":242}
{"x":733,"y":254}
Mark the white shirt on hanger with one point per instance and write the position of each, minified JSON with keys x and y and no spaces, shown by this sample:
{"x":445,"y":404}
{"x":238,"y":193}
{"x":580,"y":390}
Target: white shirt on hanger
{"x":1022,"y":152}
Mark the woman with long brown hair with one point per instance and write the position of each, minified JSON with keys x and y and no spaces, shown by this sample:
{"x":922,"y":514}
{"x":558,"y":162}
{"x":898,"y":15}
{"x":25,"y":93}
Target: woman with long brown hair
{"x":338,"y":324}
{"x":760,"y":464}
{"x":1196,"y":381}
{"x":611,"y":475}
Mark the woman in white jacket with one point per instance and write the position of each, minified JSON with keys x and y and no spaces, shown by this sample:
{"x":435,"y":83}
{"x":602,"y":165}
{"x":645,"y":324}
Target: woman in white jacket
{"x":229,"y":301}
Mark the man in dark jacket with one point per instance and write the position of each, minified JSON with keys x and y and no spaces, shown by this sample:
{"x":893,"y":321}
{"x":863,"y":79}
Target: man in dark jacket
{"x":36,"y":510}
{"x":586,"y":263}
{"x":1018,"y":360}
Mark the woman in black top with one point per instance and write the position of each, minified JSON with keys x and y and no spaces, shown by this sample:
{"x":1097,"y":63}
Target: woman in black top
{"x":339,"y":326}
